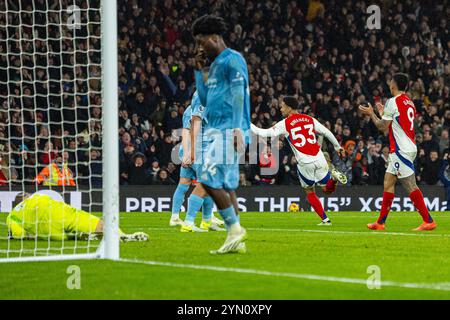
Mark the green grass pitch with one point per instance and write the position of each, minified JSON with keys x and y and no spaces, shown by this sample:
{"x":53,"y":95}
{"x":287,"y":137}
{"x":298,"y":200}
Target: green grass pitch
{"x":288,"y":257}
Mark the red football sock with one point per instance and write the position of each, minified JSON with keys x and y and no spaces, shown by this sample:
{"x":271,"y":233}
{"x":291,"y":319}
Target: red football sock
{"x":388,"y":198}
{"x":316,"y":204}
{"x":417,"y":198}
{"x":330,"y":187}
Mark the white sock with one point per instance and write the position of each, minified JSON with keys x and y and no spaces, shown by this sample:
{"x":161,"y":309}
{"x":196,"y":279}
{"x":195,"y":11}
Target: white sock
{"x":236,"y":227}
{"x":175,"y":216}
{"x":189,"y":223}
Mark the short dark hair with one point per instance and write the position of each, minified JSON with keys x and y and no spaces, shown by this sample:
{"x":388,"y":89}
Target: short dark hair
{"x":401,"y":80}
{"x":291,"y":101}
{"x":19,"y":198}
{"x":209,"y":24}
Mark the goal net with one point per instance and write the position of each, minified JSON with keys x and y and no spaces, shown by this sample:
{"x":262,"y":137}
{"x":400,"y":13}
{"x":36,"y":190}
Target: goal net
{"x":55,"y":129}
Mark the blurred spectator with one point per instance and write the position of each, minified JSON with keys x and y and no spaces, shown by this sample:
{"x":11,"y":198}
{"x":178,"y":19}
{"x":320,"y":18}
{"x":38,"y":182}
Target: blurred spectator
{"x":159,"y":114}
{"x":243,"y":182}
{"x":174,"y":172}
{"x":137,"y":123}
{"x":138,"y":172}
{"x":429,"y":169}
{"x":443,"y":141}
{"x":95,"y":169}
{"x":126,"y":148}
{"x":444,"y":176}
{"x":429,"y":142}
{"x":154,"y":170}
{"x":174,"y":120}
{"x":8,"y":174}
{"x":377,"y":160}
{"x":164,"y":148}
{"x":147,"y":139}
{"x":163,"y":178}
{"x":57,"y":173}
{"x":361,"y":175}
{"x":268,"y":167}
{"x":139,"y":107}
{"x":48,"y":154}
{"x":345,"y":164}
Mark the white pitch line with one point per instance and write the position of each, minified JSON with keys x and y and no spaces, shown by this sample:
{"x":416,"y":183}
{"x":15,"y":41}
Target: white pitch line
{"x":365,"y":233}
{"x":282,"y":215}
{"x":442,"y":286}
{"x":368,"y":233}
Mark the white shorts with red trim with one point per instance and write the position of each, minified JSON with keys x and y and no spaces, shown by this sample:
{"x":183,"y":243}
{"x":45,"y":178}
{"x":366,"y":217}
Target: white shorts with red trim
{"x":401,"y":164}
{"x":316,"y":172}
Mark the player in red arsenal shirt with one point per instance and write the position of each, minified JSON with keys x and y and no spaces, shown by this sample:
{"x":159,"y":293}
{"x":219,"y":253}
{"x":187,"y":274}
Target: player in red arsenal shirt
{"x":301,"y":131}
{"x":398,"y":117}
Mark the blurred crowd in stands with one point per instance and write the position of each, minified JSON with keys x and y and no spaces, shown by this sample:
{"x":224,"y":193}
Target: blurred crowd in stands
{"x":50,"y":93}
{"x":319,"y":51}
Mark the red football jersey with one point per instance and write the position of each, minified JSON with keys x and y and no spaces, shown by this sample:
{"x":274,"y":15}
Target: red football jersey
{"x":302,"y":134}
{"x":301,"y":131}
{"x":402,"y":112}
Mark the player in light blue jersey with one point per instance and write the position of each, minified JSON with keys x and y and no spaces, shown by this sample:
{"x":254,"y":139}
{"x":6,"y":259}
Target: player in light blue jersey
{"x":225,"y":97}
{"x":199,"y":198}
{"x":186,"y":174}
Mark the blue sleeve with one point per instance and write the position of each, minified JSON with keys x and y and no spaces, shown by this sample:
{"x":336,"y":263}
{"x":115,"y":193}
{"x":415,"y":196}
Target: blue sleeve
{"x":197,"y":107}
{"x":236,"y":76}
{"x":186,"y":122}
{"x":202,"y":89}
{"x":197,"y":113}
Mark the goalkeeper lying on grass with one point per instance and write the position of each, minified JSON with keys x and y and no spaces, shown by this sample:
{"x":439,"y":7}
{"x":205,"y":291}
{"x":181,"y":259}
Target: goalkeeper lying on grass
{"x":39,"y":216}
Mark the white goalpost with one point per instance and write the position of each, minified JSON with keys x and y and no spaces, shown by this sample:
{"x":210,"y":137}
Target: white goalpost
{"x":59,"y":124}
{"x":110,"y":146}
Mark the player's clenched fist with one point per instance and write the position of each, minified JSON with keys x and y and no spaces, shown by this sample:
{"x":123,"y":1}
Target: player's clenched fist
{"x":187,"y":161}
{"x":341,"y":152}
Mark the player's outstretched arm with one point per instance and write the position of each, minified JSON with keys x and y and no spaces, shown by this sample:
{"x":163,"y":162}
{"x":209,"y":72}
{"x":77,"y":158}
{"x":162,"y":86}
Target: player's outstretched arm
{"x":277,"y":130}
{"x":323,"y":131}
{"x":124,"y":237}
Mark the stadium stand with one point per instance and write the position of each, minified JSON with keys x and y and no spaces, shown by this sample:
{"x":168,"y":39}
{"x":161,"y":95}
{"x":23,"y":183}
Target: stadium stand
{"x":301,"y":49}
